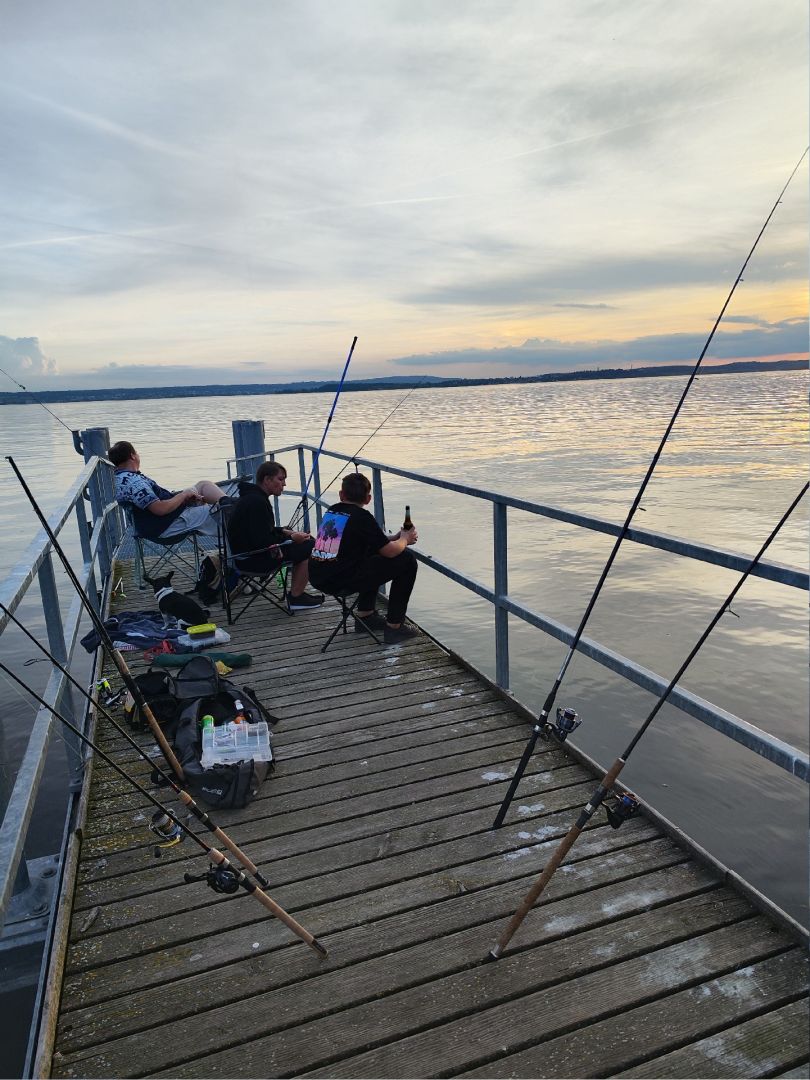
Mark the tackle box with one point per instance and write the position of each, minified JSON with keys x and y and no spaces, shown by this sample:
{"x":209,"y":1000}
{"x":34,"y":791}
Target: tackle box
{"x":227,"y":743}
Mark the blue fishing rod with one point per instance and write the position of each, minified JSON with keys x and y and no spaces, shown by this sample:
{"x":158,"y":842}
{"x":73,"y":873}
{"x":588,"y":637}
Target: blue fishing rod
{"x":567,"y":720}
{"x":626,"y":804}
{"x":304,"y":493}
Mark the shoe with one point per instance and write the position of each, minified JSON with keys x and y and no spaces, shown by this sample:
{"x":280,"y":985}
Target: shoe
{"x":374,"y":620}
{"x":392,"y":636}
{"x":304,"y":602}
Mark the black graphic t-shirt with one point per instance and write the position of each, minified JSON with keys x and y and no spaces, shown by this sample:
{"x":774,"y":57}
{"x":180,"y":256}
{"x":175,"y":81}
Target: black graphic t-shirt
{"x":348,"y":535}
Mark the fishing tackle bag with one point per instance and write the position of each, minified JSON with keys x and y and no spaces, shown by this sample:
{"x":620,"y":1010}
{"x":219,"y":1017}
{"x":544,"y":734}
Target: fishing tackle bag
{"x":203,"y":692}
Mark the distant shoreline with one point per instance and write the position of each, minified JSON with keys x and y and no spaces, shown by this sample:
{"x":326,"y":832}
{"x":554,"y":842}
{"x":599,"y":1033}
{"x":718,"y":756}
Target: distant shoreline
{"x":395,"y":382}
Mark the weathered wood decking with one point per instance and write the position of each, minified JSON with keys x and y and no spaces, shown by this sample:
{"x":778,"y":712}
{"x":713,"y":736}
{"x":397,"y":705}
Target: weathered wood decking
{"x":375,"y":833}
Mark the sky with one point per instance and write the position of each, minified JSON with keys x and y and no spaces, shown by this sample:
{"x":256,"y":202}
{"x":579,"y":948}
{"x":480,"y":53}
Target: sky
{"x":202,"y":192}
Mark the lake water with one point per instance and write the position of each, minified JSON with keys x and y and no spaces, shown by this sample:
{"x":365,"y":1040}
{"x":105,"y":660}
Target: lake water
{"x":734,"y":462}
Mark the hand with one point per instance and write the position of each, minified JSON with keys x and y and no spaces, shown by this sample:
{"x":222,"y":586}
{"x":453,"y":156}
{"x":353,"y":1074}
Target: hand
{"x":300,"y":537}
{"x":190,"y":496}
{"x":409,"y":535}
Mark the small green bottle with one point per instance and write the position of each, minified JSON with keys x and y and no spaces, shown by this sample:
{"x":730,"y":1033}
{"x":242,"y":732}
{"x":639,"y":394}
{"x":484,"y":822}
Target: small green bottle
{"x":207,"y":721}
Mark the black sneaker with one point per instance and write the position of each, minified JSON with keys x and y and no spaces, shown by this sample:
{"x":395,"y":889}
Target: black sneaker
{"x":374,"y":620}
{"x":304,"y":602}
{"x":394,"y":636}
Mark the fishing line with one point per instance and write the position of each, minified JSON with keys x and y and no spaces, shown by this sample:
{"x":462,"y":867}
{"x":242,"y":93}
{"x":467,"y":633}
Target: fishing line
{"x":627,"y":804}
{"x":357,"y":452}
{"x":37,"y":400}
{"x":222,"y":876}
{"x":543,"y":726}
{"x":183,"y":795}
{"x":303,"y":501}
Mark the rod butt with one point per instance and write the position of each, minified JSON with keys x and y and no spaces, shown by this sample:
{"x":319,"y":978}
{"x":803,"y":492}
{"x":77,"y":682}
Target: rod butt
{"x":319,"y":949}
{"x":494,"y":953}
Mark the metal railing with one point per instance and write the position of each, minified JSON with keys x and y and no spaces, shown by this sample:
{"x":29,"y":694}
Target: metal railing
{"x":98,"y":540}
{"x":768,"y":746}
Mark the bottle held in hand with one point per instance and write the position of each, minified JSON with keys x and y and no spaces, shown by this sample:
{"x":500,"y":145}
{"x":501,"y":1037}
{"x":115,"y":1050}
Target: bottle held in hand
{"x":407,"y":523}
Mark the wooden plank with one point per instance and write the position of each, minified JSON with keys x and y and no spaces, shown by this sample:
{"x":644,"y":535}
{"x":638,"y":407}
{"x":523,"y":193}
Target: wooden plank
{"x":330,"y":1045}
{"x":604,"y":1047}
{"x":229,"y":937}
{"x":278,"y":837}
{"x":284,"y":1010}
{"x":478,"y":1036}
{"x":754,"y":1048}
{"x":656,"y":877}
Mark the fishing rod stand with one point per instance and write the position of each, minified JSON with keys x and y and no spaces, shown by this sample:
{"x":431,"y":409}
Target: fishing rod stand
{"x":568,"y":720}
{"x":219,"y":878}
{"x":108,"y":697}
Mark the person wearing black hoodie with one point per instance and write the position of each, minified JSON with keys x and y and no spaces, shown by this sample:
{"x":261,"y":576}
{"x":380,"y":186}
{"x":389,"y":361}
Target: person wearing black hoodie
{"x":252,"y":530}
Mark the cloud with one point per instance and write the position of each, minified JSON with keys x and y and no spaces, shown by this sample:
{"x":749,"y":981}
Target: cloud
{"x":24,"y":357}
{"x":785,"y":338}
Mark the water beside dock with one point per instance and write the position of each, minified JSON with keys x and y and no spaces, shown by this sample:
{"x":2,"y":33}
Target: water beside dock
{"x":375,"y":833}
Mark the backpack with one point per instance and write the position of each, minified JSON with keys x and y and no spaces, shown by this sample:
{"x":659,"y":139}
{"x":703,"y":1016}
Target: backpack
{"x":202,"y":691}
{"x":157,"y":688}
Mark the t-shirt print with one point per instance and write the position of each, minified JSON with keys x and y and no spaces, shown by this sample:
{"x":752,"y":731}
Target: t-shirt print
{"x":327,"y":542}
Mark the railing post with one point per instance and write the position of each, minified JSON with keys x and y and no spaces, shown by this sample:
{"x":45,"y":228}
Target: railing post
{"x":56,"y":641}
{"x":248,"y":445}
{"x":377,"y":491}
{"x":302,"y":473}
{"x":501,"y":590}
{"x":96,"y":442}
{"x":316,"y":490}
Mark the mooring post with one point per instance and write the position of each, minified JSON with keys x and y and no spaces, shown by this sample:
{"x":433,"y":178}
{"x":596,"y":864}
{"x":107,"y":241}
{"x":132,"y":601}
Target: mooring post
{"x":248,"y":445}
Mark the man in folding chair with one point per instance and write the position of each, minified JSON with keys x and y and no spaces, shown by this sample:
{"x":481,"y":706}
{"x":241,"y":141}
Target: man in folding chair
{"x":157,"y":513}
{"x":260,"y":545}
{"x":353,"y":554}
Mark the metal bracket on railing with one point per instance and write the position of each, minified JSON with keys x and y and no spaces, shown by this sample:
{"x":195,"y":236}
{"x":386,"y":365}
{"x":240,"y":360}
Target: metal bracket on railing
{"x":77,"y":443}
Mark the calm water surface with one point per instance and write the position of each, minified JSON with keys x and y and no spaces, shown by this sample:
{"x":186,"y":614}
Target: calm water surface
{"x":734,"y":462}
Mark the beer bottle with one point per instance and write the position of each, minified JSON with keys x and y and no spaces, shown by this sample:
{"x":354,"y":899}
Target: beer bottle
{"x":407,"y":523}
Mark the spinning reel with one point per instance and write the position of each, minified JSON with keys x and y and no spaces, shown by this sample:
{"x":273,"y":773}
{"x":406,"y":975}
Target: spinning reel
{"x":167,"y":831}
{"x":567,"y":722}
{"x":219,"y":878}
{"x":624,"y":807}
{"x":108,"y":697}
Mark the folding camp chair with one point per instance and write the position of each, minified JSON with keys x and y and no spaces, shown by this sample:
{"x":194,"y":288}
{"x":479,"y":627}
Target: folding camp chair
{"x":183,"y":552}
{"x":239,"y":582}
{"x":346,"y":609}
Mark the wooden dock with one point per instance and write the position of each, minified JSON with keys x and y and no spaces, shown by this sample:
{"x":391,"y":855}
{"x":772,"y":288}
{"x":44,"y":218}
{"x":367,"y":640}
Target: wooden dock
{"x":375,"y":833}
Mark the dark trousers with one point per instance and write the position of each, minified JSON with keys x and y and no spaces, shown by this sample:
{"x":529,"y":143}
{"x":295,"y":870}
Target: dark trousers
{"x":264,"y":563}
{"x":376,"y":571}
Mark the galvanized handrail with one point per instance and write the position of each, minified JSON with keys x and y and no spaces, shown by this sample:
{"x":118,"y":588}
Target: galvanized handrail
{"x":780,"y":753}
{"x":97,"y":543}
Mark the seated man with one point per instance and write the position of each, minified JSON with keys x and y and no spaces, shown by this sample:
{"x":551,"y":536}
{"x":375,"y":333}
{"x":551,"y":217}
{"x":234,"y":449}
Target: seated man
{"x":353,"y":554}
{"x":252,"y":531}
{"x":157,"y":512}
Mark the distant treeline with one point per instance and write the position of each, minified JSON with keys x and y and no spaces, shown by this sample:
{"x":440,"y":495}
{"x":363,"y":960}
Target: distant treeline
{"x":403,"y":382}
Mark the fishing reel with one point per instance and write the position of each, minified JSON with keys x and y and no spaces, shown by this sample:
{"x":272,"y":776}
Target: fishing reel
{"x":108,"y":697}
{"x":567,"y":722}
{"x":221,"y":879}
{"x":624,"y":807}
{"x":167,"y":831}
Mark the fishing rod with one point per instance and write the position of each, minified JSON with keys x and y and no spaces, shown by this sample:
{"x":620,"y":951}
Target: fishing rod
{"x":103,"y":707}
{"x":222,"y":876}
{"x":38,"y":402}
{"x":357,"y":452}
{"x":567,"y":719}
{"x":302,"y":503}
{"x":626,"y":804}
{"x":101,"y":630}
